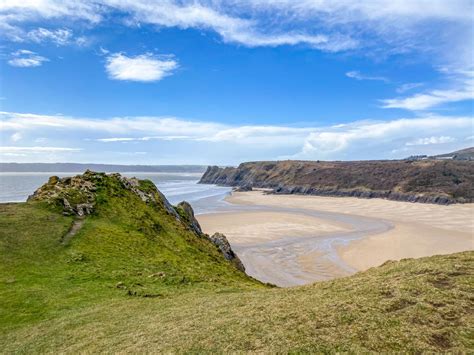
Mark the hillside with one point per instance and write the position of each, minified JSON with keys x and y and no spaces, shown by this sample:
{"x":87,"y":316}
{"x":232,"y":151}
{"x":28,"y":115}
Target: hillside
{"x":102,"y":263}
{"x":463,"y":154}
{"x":429,"y":181}
{"x":101,"y":237}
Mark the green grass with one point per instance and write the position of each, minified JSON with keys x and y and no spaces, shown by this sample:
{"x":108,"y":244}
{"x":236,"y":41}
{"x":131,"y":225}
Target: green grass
{"x":136,"y":279}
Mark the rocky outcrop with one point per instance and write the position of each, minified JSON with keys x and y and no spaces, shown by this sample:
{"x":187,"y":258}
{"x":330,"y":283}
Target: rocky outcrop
{"x":220,"y":241}
{"x":77,"y":195}
{"x":428,"y":181}
{"x":186,"y":213}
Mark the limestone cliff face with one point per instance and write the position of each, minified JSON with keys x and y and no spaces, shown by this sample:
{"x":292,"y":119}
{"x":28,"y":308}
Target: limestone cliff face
{"x":431,"y":181}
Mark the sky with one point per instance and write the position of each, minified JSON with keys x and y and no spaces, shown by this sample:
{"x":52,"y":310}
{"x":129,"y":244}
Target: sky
{"x":222,"y":82}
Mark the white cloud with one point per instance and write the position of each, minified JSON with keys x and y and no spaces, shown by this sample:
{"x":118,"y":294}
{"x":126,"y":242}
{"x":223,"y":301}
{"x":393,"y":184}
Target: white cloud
{"x":15,"y":137}
{"x":325,"y":24}
{"x":462,"y":89}
{"x":429,"y":100}
{"x":358,"y":76}
{"x":407,"y":87}
{"x":386,"y":135}
{"x":221,"y":18}
{"x":60,"y":37}
{"x":25,"y":58}
{"x":36,"y":150}
{"x":141,"y":139}
{"x":158,"y":126}
{"x":431,"y":140}
{"x":144,"y":68}
{"x":356,"y":140}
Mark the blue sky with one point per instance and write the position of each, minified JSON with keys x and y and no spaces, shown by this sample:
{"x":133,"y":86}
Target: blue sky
{"x":220,"y":82}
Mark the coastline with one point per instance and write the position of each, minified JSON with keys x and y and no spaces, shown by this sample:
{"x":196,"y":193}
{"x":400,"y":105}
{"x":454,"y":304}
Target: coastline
{"x":294,"y":239}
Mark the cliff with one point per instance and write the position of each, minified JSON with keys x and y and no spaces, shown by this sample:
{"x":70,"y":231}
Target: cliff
{"x":429,"y":181}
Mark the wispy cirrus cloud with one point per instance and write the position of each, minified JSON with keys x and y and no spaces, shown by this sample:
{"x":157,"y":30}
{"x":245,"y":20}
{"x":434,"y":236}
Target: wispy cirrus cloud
{"x":24,"y":59}
{"x":61,"y":36}
{"x":327,"y":24}
{"x":461,"y":88}
{"x":359,"y":76}
{"x":407,"y":87}
{"x":428,"y":100}
{"x":36,"y":149}
{"x":145,"y":67}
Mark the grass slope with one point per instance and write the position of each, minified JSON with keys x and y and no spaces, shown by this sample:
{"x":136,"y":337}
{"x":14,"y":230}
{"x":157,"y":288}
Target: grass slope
{"x":134,"y":278}
{"x":126,"y":248}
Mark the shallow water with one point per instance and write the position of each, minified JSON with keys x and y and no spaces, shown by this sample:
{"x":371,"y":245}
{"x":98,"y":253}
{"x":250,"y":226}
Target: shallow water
{"x":279,"y":261}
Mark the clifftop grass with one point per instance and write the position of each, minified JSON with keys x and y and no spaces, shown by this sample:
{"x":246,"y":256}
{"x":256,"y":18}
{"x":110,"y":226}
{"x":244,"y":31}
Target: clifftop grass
{"x":135,"y":278}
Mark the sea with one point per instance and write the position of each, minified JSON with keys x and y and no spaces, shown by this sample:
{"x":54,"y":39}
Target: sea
{"x":177,"y":187}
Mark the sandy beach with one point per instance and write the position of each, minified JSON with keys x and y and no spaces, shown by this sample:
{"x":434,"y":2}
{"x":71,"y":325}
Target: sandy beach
{"x":291,"y":239}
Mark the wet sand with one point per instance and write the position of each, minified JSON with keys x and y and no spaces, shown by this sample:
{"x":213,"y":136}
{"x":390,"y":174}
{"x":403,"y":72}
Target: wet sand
{"x":292,"y":240}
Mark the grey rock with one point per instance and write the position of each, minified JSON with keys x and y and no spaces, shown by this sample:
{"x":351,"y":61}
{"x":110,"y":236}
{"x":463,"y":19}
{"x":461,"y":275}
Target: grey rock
{"x":220,"y":240}
{"x":84,"y":209}
{"x":190,"y":220}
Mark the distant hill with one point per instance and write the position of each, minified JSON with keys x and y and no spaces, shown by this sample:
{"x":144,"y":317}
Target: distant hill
{"x":431,"y":181}
{"x":107,"y":168}
{"x":463,"y":154}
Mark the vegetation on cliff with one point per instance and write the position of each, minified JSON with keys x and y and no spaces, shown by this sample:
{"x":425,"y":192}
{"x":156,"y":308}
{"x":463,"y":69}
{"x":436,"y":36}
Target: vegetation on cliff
{"x":128,"y":272}
{"x":430,"y":181}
